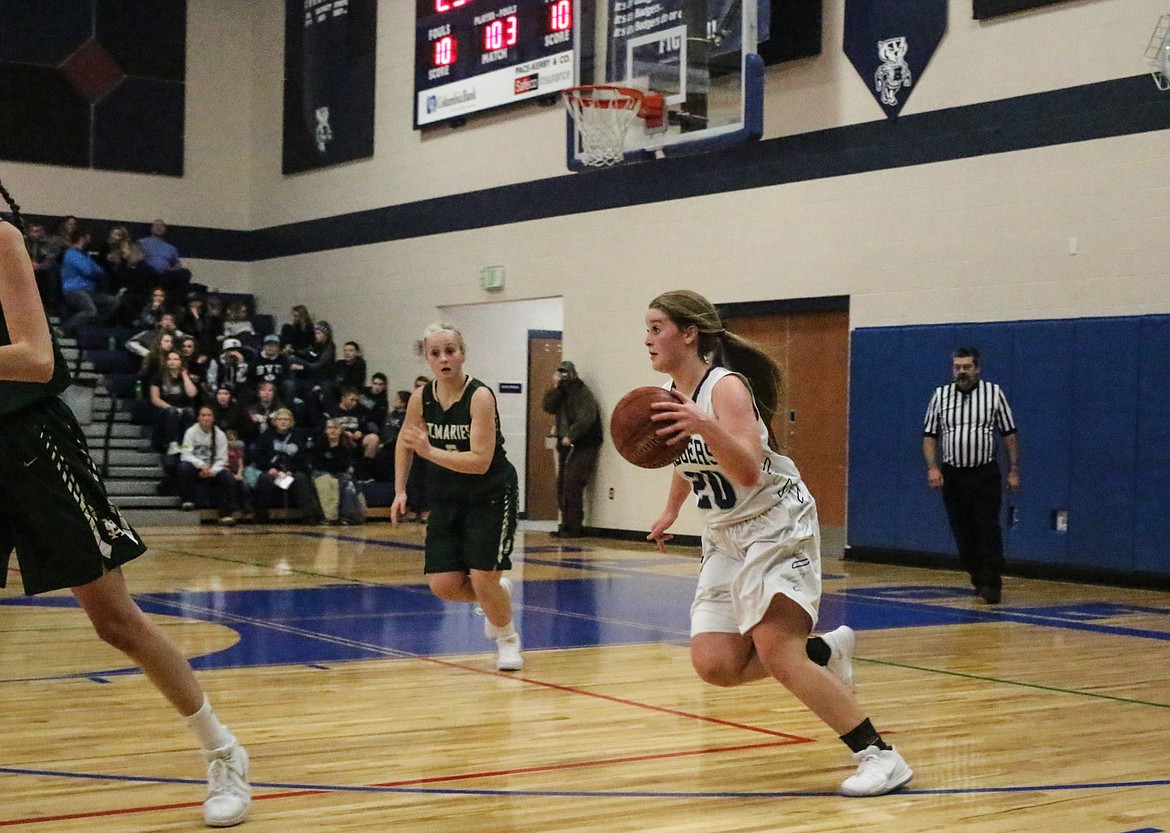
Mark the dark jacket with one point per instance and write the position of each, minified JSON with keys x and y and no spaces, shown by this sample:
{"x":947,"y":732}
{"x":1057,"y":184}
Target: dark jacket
{"x":578,"y":416}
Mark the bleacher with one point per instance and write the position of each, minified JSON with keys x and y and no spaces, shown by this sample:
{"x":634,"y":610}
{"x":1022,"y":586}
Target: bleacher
{"x":117,"y":423}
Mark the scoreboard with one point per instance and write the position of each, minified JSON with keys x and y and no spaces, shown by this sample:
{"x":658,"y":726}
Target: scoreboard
{"x":473,"y":55}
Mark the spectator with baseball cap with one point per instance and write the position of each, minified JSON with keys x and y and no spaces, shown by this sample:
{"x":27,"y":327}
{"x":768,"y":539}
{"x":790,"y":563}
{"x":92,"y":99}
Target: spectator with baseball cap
{"x":271,"y":365}
{"x":578,"y":442}
{"x":231,"y":370}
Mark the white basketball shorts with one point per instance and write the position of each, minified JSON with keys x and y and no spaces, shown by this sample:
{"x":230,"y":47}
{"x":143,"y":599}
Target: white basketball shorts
{"x":746,"y":564}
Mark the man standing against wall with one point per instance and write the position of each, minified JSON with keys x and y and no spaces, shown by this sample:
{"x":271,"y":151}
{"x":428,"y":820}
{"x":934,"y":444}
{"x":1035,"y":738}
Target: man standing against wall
{"x":578,"y":442}
{"x":966,"y":415}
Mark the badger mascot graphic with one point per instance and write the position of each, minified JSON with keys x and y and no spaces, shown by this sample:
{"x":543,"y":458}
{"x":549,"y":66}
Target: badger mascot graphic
{"x":894,"y":72}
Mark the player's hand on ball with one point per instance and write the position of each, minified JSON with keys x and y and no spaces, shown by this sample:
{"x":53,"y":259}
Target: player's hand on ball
{"x":677,"y":421}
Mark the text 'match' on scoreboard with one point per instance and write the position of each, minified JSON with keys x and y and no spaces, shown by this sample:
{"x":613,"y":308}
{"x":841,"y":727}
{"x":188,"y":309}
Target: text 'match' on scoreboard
{"x":472,"y":55}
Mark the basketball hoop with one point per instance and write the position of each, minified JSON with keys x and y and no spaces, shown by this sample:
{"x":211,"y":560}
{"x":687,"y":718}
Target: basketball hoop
{"x":601,"y":116}
{"x":1158,"y":53}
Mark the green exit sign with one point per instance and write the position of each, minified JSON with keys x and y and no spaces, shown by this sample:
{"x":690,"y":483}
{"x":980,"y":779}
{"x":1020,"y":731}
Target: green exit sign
{"x":491,"y":277}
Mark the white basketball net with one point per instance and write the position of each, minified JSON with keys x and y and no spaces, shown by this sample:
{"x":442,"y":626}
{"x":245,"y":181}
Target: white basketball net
{"x":1158,"y":53}
{"x":601,"y":116}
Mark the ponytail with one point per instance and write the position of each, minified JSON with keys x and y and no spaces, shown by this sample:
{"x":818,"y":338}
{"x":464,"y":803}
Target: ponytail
{"x":17,"y":220}
{"x":725,"y":349}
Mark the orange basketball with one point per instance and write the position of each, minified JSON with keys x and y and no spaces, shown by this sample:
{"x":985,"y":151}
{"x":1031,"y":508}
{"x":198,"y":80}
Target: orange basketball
{"x":633,"y":432}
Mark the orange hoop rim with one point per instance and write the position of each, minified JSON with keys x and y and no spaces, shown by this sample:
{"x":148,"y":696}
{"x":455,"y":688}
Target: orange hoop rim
{"x":650,"y":106}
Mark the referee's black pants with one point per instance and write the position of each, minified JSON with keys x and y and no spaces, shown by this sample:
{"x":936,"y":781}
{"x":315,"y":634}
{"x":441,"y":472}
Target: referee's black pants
{"x":973,"y":496}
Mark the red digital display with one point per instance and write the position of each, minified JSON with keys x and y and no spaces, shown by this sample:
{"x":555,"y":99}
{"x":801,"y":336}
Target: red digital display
{"x":474,"y":55}
{"x":560,"y":16}
{"x":500,"y":33}
{"x":446,"y":51}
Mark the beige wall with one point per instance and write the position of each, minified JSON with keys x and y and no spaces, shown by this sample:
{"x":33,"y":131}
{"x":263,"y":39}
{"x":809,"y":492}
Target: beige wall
{"x":974,"y":239}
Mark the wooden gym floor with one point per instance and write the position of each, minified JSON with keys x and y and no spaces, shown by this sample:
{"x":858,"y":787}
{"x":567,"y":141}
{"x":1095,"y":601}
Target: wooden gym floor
{"x":367,"y":705}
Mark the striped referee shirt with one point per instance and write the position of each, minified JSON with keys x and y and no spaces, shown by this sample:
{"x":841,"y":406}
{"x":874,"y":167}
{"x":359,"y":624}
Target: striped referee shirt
{"x":965,"y":423}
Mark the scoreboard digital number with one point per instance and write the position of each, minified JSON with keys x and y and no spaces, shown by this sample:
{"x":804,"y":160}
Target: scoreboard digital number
{"x":473,"y":55}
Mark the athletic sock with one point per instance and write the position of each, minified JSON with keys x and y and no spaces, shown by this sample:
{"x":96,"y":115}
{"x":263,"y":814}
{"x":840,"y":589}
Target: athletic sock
{"x":211,"y":733}
{"x":818,"y":650}
{"x":505,"y":631}
{"x":863,"y":736}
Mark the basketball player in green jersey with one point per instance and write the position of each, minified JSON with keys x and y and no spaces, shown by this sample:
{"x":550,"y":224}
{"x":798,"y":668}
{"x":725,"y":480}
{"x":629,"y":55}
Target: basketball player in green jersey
{"x":453,"y":423}
{"x":55,"y":513}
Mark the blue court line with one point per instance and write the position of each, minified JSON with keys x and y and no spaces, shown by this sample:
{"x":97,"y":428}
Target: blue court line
{"x":374,"y":788}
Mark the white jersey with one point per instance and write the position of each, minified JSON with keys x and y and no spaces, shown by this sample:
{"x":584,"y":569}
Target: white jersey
{"x":723,"y":502}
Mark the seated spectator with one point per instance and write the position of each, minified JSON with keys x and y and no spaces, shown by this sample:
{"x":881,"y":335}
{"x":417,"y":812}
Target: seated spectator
{"x":260,"y":412}
{"x":230,"y":370}
{"x":154,"y":361}
{"x":193,"y":360}
{"x":350,"y":370}
{"x":149,"y":315}
{"x":45,"y":254}
{"x":238,"y":322}
{"x":83,"y":287}
{"x":382,"y":466}
{"x":333,"y":458}
{"x":229,"y":414}
{"x":237,"y":464}
{"x":376,"y":400}
{"x":280,"y":453}
{"x":355,"y":420}
{"x":162,"y":259}
{"x":297,"y":335}
{"x":271,"y":365}
{"x":130,"y":280}
{"x":198,"y":322}
{"x":204,"y":478}
{"x":175,"y":398}
{"x":312,"y":369}
{"x":140,"y":344}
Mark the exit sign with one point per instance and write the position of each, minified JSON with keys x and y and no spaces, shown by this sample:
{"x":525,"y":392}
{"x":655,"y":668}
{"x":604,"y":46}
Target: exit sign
{"x":491,"y":277}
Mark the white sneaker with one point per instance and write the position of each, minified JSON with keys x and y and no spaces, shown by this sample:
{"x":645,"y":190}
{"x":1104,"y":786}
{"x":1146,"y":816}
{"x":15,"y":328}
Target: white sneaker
{"x":879,"y":771}
{"x":508,"y":658}
{"x":490,"y":630}
{"x":841,"y":643}
{"x":228,"y":792}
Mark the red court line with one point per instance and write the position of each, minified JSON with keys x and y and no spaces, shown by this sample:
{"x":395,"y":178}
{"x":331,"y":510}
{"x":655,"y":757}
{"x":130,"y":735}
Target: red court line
{"x":663,"y":709}
{"x":435,"y":779}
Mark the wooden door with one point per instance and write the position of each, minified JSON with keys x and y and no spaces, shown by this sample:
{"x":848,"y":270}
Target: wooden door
{"x":812,"y":350}
{"x":540,"y":481}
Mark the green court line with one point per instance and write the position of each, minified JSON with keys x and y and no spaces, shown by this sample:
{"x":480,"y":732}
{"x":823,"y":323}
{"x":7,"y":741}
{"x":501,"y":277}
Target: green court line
{"x":1018,"y":683}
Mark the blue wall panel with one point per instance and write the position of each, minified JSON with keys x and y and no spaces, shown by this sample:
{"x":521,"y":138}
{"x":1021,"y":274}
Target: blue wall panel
{"x":1104,"y":442}
{"x":872,"y":425}
{"x":1151,"y":552}
{"x":1092,"y":402}
{"x":925,"y":363}
{"x":1040,"y":397}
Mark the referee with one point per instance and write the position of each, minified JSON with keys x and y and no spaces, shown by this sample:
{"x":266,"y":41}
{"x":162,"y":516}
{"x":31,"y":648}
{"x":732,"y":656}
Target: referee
{"x":965,"y":416}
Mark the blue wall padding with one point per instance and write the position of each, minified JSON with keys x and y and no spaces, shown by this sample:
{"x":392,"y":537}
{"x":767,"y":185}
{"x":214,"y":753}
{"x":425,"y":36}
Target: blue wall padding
{"x":1151,"y":511}
{"x":1092,"y":400}
{"x":1104,"y":442}
{"x":1043,"y":402}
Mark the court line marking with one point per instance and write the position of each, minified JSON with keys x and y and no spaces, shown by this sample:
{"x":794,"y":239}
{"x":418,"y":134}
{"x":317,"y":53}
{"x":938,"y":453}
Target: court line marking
{"x":298,"y":790}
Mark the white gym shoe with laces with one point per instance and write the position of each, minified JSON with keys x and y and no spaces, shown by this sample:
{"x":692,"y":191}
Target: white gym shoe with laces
{"x":841,"y":643}
{"x":489,"y":630}
{"x":879,"y":771}
{"x":508,"y":658}
{"x":228,"y":792}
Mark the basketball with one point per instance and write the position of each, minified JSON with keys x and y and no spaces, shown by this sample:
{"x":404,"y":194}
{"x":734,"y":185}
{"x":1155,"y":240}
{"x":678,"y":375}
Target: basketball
{"x":632,"y":430}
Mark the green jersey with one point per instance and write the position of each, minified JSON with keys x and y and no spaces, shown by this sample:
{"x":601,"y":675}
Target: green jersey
{"x":15,"y":396}
{"x":451,"y":429}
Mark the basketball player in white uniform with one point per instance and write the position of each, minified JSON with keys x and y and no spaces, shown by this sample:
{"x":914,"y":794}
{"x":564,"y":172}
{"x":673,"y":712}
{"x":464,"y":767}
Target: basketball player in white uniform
{"x":760,"y":581}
